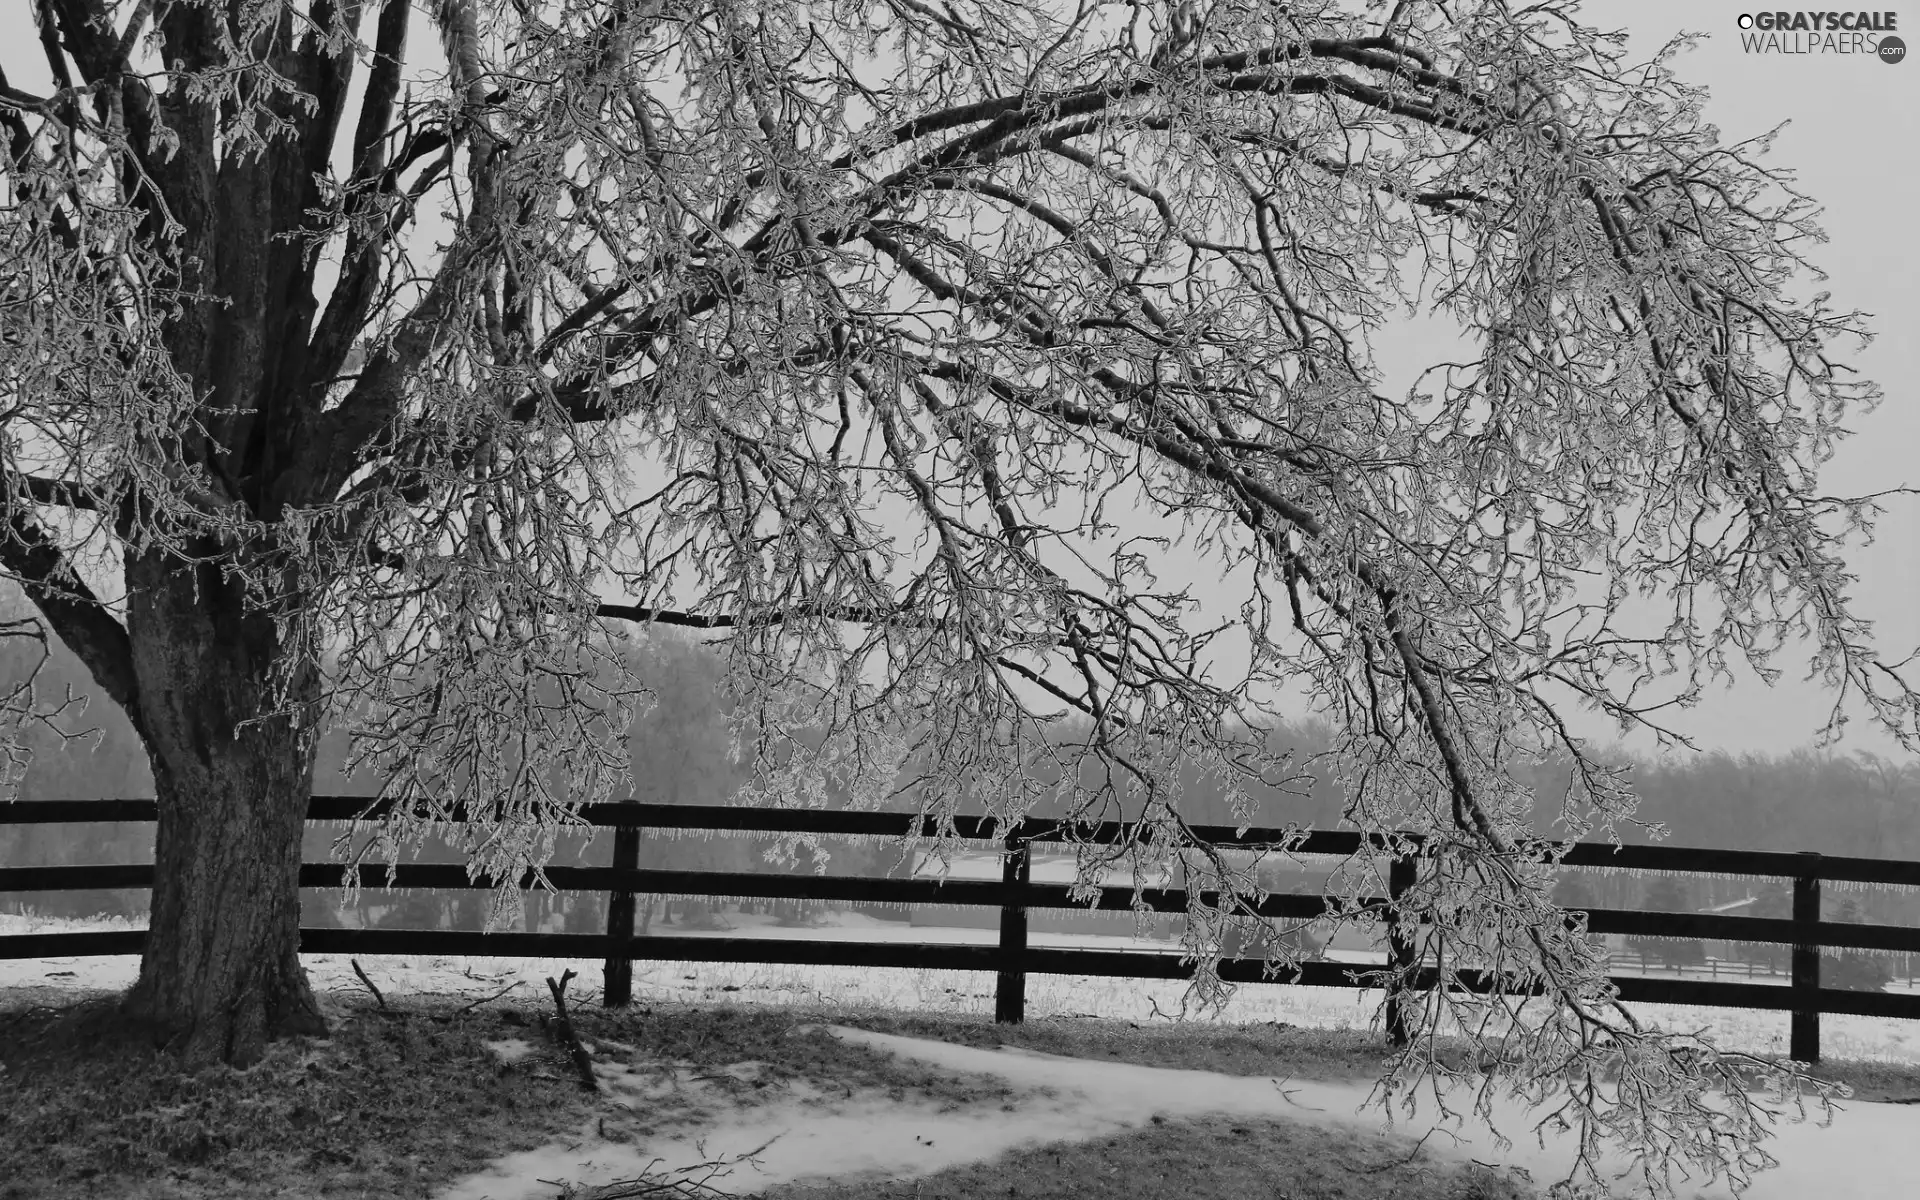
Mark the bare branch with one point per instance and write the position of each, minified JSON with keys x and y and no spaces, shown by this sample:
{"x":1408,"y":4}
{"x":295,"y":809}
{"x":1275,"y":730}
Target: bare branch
{"x":61,"y":493}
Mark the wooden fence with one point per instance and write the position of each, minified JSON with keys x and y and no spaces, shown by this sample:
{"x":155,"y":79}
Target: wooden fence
{"x":1013,"y":959}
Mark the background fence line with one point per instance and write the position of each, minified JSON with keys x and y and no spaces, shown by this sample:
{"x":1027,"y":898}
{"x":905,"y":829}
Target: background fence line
{"x":1012,"y":959}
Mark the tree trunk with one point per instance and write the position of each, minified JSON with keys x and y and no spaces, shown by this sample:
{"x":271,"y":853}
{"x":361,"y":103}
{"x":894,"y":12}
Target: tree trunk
{"x":220,"y":975}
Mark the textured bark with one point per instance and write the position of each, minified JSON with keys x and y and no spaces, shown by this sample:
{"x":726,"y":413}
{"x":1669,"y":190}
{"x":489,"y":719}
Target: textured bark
{"x":221,"y":974}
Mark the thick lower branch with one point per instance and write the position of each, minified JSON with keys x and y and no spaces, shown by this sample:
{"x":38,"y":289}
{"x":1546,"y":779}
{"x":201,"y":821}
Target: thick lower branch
{"x":72,"y":610}
{"x":852,"y":614}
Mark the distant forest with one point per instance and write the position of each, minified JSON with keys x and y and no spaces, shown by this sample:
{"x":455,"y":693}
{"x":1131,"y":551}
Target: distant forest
{"x":1837,"y":804}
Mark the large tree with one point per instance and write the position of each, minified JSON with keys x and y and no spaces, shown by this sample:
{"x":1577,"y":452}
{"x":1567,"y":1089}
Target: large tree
{"x":362,"y":360}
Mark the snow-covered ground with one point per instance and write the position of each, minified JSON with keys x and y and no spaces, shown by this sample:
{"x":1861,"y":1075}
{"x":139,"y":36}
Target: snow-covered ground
{"x":1853,"y":1157}
{"x":1759,"y":1031}
{"x":814,"y":1140}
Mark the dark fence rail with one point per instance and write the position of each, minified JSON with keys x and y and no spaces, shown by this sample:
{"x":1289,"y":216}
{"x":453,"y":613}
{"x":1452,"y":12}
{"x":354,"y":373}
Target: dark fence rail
{"x":1012,"y":959}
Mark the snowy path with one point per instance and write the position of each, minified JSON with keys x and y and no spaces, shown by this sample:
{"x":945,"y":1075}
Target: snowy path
{"x":1859,"y":1156}
{"x":818,"y":1140}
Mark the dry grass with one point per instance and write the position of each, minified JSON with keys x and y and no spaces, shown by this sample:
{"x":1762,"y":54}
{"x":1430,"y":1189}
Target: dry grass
{"x":388,"y":1106}
{"x":1238,"y":1161}
{"x":1268,"y":1048}
{"x":1272,"y":1048}
{"x":1884,"y":1082}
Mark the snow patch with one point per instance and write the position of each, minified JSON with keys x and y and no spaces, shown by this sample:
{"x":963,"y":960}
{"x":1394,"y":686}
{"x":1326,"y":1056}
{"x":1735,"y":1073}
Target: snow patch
{"x":510,"y":1050}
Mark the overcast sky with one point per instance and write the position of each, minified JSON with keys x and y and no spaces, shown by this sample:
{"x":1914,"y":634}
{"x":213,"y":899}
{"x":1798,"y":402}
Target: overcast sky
{"x":1849,"y":117}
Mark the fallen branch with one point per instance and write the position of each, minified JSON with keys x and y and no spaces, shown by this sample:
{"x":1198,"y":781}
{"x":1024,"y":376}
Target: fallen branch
{"x":692,"y":1183}
{"x":482,"y":1000}
{"x":378,"y":998}
{"x":563,"y":1029}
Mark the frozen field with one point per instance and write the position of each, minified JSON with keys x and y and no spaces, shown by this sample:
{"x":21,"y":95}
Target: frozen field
{"x":1849,"y":1157}
{"x":1842,"y":1036}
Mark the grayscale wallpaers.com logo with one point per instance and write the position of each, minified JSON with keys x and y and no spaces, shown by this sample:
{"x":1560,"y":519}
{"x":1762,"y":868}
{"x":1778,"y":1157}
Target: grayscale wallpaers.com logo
{"x":1823,"y":33}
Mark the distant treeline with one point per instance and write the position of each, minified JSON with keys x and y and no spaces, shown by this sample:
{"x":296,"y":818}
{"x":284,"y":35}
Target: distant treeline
{"x":1856,"y":804}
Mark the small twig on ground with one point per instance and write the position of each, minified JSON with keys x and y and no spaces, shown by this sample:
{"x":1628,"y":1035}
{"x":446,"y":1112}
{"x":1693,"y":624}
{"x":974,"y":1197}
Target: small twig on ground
{"x":1156,"y":1012}
{"x":563,"y":1029}
{"x":1401,"y":1162}
{"x":482,"y":1000}
{"x":1279,"y":1085}
{"x":378,"y":998}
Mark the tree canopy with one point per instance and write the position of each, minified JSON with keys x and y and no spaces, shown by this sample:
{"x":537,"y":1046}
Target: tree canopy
{"x":891,"y":339}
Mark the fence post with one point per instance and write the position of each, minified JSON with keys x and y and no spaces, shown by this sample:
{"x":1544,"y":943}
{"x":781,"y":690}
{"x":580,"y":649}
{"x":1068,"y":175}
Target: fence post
{"x":1804,"y":1042}
{"x":1010,"y":996}
{"x":626,"y":857}
{"x":1401,"y":946}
